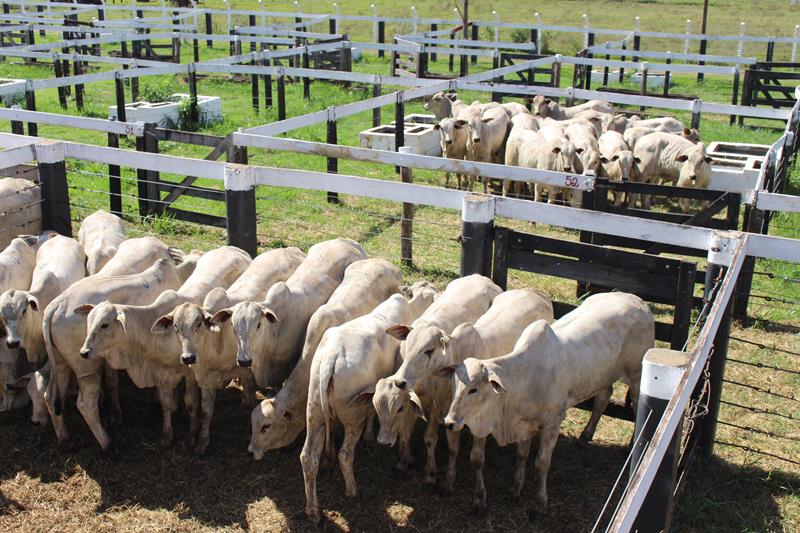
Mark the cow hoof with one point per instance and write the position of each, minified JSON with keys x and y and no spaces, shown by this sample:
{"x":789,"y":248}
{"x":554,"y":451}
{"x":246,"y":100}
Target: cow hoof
{"x":445,"y":489}
{"x":479,"y":509}
{"x":165,"y":442}
{"x":583,"y":442}
{"x":314,"y":515}
{"x":430,"y":479}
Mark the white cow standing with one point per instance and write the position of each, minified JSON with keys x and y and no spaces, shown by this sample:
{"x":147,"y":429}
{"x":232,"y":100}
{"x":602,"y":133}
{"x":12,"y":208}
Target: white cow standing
{"x":464,"y":300}
{"x":207,"y":349}
{"x":120,"y":335}
{"x":551,"y":368}
{"x":349,"y":360}
{"x":100,"y":234}
{"x":276,"y":422}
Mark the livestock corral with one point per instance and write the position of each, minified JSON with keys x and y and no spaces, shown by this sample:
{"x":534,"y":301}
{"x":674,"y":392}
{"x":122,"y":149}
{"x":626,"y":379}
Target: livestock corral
{"x":394,"y":258}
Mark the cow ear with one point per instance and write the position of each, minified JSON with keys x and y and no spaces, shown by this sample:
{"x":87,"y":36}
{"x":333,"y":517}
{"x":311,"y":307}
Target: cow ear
{"x":269,"y":315}
{"x":364,"y":396}
{"x":446,"y":371}
{"x":687,"y":131}
{"x":458,"y":124}
{"x":547,"y":100}
{"x":83,"y":309}
{"x":288,"y":415}
{"x":222,"y":316}
{"x":123,"y":321}
{"x":163,"y":324}
{"x":33,"y":302}
{"x":416,"y":404}
{"x":709,"y":160}
{"x":208,"y":322}
{"x":487,"y":120}
{"x":637,"y":159}
{"x":604,"y":160}
{"x":496,"y":383}
{"x":682,"y":158}
{"x":399,"y":331}
{"x":437,"y":126}
{"x":556,"y":150}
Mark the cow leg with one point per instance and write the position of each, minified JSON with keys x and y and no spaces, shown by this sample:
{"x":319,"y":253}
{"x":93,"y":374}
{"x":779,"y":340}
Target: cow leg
{"x":347,"y":454}
{"x":404,"y":448}
{"x":598,"y":408}
{"x":89,"y":388}
{"x":523,"y":450}
{"x":208,"y":398}
{"x":547,"y":441}
{"x":476,"y":458}
{"x":166,"y":396}
{"x":447,"y":180}
{"x":55,"y":397}
{"x":191,"y":399}
{"x":685,"y":203}
{"x":537,"y":192}
{"x":507,"y":186}
{"x":249,"y":389}
{"x":459,"y":180}
{"x":111,"y":381}
{"x":485,"y":181}
{"x":431,"y":438}
{"x":309,"y":459}
{"x":369,"y":430}
{"x":453,"y":443}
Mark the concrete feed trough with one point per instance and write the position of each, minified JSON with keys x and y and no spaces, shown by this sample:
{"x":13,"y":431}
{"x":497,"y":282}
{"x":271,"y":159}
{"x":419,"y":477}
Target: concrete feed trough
{"x":422,"y":138}
{"x":743,"y":151}
{"x":598,"y":75}
{"x":653,"y":80}
{"x":168,"y":114}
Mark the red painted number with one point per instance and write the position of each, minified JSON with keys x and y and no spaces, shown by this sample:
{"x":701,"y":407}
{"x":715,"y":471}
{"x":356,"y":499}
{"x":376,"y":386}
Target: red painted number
{"x":571,"y":181}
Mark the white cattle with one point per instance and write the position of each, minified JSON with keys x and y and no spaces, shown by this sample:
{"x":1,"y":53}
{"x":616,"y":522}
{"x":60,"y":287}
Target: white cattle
{"x":486,"y":139}
{"x":617,"y":161}
{"x":453,"y":139}
{"x":634,"y":133}
{"x":662,"y":124}
{"x":494,"y":332}
{"x":564,"y":152}
{"x":443,"y":105}
{"x":348,"y":362}
{"x":524,"y":121}
{"x":270,"y":334}
{"x":550,"y":369}
{"x":64,"y":329}
{"x":136,"y":255}
{"x":514,"y":109}
{"x":526,"y":148}
{"x":550,"y":108}
{"x":120,"y":334}
{"x":60,"y":262}
{"x":100,"y":234}
{"x":586,"y":148}
{"x":277,"y":421}
{"x":209,"y":349}
{"x":464,"y":300}
{"x":672,"y":158}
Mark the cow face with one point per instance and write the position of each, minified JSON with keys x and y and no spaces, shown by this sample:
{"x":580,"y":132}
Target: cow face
{"x":272,"y":426}
{"x":396,"y":408}
{"x":589,"y":159}
{"x":695,"y":170}
{"x":106,"y":327}
{"x":20,"y":312}
{"x":451,"y":132}
{"x":190,"y":324}
{"x":476,"y":388}
{"x":255,"y":325}
{"x":422,"y":352}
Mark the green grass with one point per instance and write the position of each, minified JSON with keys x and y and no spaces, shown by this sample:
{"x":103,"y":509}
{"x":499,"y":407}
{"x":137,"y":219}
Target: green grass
{"x":736,"y":491}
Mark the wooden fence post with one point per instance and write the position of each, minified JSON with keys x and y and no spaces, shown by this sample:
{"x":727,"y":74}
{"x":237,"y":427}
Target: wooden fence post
{"x":696,"y":114}
{"x":240,"y":202}
{"x":407,"y":220}
{"x":114,"y":180}
{"x":53,"y":183}
{"x":477,"y":225}
{"x":376,"y":112}
{"x":474,"y":35}
{"x":662,"y":370}
{"x":281,"y":95}
{"x":434,"y":28}
{"x":333,"y":163}
{"x":194,"y":113}
{"x":30,"y":105}
{"x":703,"y":49}
{"x":735,"y":96}
{"x":62,"y":94}
{"x":209,"y":30}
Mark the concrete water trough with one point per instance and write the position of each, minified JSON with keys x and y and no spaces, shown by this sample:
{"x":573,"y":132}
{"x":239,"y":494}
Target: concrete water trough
{"x":168,"y":114}
{"x":13,"y":89}
{"x":422,"y":138}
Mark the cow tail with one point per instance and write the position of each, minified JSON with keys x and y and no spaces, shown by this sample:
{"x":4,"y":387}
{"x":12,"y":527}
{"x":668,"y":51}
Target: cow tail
{"x":325,"y":389}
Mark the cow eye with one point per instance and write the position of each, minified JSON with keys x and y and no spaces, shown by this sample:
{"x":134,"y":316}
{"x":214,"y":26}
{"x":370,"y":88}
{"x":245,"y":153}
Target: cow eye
{"x":265,"y":427}
{"x":472,"y":391}
{"x":429,"y":352}
{"x":258,"y":326}
{"x":104,"y":326}
{"x":24,"y":312}
{"x":401,"y":408}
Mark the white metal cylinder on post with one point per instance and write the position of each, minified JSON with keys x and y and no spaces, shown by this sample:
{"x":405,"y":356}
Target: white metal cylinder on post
{"x":688,"y":32}
{"x":477,"y":225}
{"x":497,"y":27}
{"x":338,"y":15}
{"x":662,"y":370}
{"x":374,"y":23}
{"x":585,"y":18}
{"x":742,"y":29}
{"x":794,"y":44}
{"x":538,"y":33}
{"x":414,"y":19}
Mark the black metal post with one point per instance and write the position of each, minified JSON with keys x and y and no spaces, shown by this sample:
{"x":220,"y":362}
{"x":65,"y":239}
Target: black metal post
{"x":661,"y":371}
{"x":333,"y":163}
{"x":477,"y":225}
{"x":381,"y":36}
{"x":119,"y":89}
{"x":194,"y":113}
{"x":114,"y":181}
{"x":703,"y":50}
{"x":240,"y":202}
{"x":474,"y":59}
{"x":62,"y":94}
{"x":399,"y":121}
{"x":434,"y":28}
{"x":30,"y":105}
{"x":281,"y":97}
{"x":78,"y":86}
{"x":267,"y":86}
{"x":376,"y":112}
{"x":306,"y":79}
{"x":55,"y":193}
{"x":209,"y":30}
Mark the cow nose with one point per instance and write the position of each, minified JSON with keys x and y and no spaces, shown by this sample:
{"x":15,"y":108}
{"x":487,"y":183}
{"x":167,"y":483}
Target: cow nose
{"x":244,"y":362}
{"x":85,"y":353}
{"x":448,"y":142}
{"x":188,"y":358}
{"x":693,"y":178}
{"x":400,"y":384}
{"x":10,"y":387}
{"x":12,"y":344}
{"x":450,"y":426}
{"x":476,"y":140}
{"x":567,"y":169}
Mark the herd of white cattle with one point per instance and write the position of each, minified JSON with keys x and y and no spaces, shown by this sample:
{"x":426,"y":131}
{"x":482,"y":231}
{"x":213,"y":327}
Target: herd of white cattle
{"x":588,"y":136}
{"x":336,"y":333}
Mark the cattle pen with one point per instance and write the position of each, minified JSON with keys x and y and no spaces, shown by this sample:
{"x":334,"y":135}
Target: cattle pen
{"x":294,"y":177}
